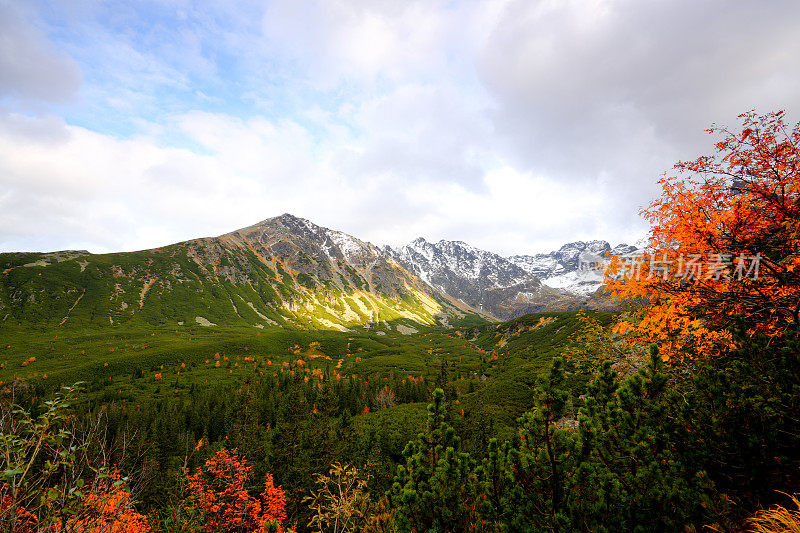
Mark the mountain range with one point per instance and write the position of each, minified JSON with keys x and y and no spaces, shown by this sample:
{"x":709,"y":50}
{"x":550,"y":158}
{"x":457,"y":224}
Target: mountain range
{"x":569,"y":267}
{"x":507,"y":287}
{"x":287,"y":271}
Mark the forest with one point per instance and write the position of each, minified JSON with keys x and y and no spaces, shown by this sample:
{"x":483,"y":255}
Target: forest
{"x":678,"y":411}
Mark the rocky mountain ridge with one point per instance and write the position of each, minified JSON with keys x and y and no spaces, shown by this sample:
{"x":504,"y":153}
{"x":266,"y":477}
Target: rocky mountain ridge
{"x":284,"y":271}
{"x":571,"y":267}
{"x":506,"y":287}
{"x":503,"y":287}
{"x":287,"y":271}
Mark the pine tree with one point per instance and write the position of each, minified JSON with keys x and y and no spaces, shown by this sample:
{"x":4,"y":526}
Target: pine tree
{"x":436,"y":490}
{"x":630,"y":477}
{"x":495,"y":482}
{"x":541,"y":461}
{"x":739,"y":418}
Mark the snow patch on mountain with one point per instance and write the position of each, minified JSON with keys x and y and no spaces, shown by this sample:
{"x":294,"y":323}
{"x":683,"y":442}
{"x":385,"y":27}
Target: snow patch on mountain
{"x":480,"y":279}
{"x":434,"y":262}
{"x":349,"y":246}
{"x":576,"y":267}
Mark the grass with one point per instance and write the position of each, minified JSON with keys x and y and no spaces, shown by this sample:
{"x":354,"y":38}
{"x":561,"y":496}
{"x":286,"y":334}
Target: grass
{"x":491,"y":368}
{"x":778,"y":519}
{"x":180,"y":282}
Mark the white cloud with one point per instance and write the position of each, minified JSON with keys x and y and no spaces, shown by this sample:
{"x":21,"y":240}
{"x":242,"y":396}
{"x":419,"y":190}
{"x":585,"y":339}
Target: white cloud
{"x":356,"y":42}
{"x":585,"y":87}
{"x":513,"y":213}
{"x":76,"y":188}
{"x":513,"y":125}
{"x":30,"y":68}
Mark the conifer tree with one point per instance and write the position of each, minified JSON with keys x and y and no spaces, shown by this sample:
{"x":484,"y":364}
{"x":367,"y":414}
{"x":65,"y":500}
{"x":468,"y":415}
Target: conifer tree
{"x":495,"y":480}
{"x":541,"y":461}
{"x":436,"y":489}
{"x":740,"y":421}
{"x":630,"y":477}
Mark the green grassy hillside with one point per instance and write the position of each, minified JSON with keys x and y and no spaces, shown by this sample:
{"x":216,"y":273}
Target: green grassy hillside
{"x":207,"y":282}
{"x":490,"y":366}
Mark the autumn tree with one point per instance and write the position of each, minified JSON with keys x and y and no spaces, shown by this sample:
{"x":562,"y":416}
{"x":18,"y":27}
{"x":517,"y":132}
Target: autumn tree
{"x":48,"y":484}
{"x":718,"y":288}
{"x":724,"y":243}
{"x":218,"y":499}
{"x":106,"y":508}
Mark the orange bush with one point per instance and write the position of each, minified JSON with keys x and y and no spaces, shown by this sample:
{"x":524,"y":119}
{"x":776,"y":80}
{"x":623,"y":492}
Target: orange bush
{"x":218,"y":500}
{"x":107,"y":509}
{"x":23,"y":520}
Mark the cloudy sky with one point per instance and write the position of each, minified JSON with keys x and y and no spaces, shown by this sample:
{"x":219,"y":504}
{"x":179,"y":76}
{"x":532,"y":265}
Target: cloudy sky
{"x":513,"y":125}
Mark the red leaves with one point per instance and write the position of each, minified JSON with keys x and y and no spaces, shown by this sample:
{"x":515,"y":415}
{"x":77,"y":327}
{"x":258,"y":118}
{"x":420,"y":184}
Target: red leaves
{"x":22,"y":520}
{"x":743,"y":200}
{"x":106,"y":507}
{"x":108,"y":510}
{"x":273,"y":502}
{"x":219,"y":501}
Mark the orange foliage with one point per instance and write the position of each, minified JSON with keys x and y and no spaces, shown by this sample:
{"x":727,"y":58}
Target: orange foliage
{"x":724,"y":243}
{"x":108,"y":510}
{"x":219,"y":501}
{"x":23,"y":520}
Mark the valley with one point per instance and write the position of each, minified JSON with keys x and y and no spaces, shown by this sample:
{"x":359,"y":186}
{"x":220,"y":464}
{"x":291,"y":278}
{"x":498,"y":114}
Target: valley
{"x":287,"y":351}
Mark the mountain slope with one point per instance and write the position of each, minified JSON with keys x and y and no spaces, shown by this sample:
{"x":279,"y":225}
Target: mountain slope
{"x":568,"y":267}
{"x":282,"y":271}
{"x":481,"y":279}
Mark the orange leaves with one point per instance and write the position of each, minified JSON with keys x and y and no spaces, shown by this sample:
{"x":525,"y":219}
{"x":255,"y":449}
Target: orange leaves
{"x":108,"y":510}
{"x":729,"y":209}
{"x":273,"y":502}
{"x":22,"y":519}
{"x":106,"y":507}
{"x":219,"y":502}
{"x":622,"y":328}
